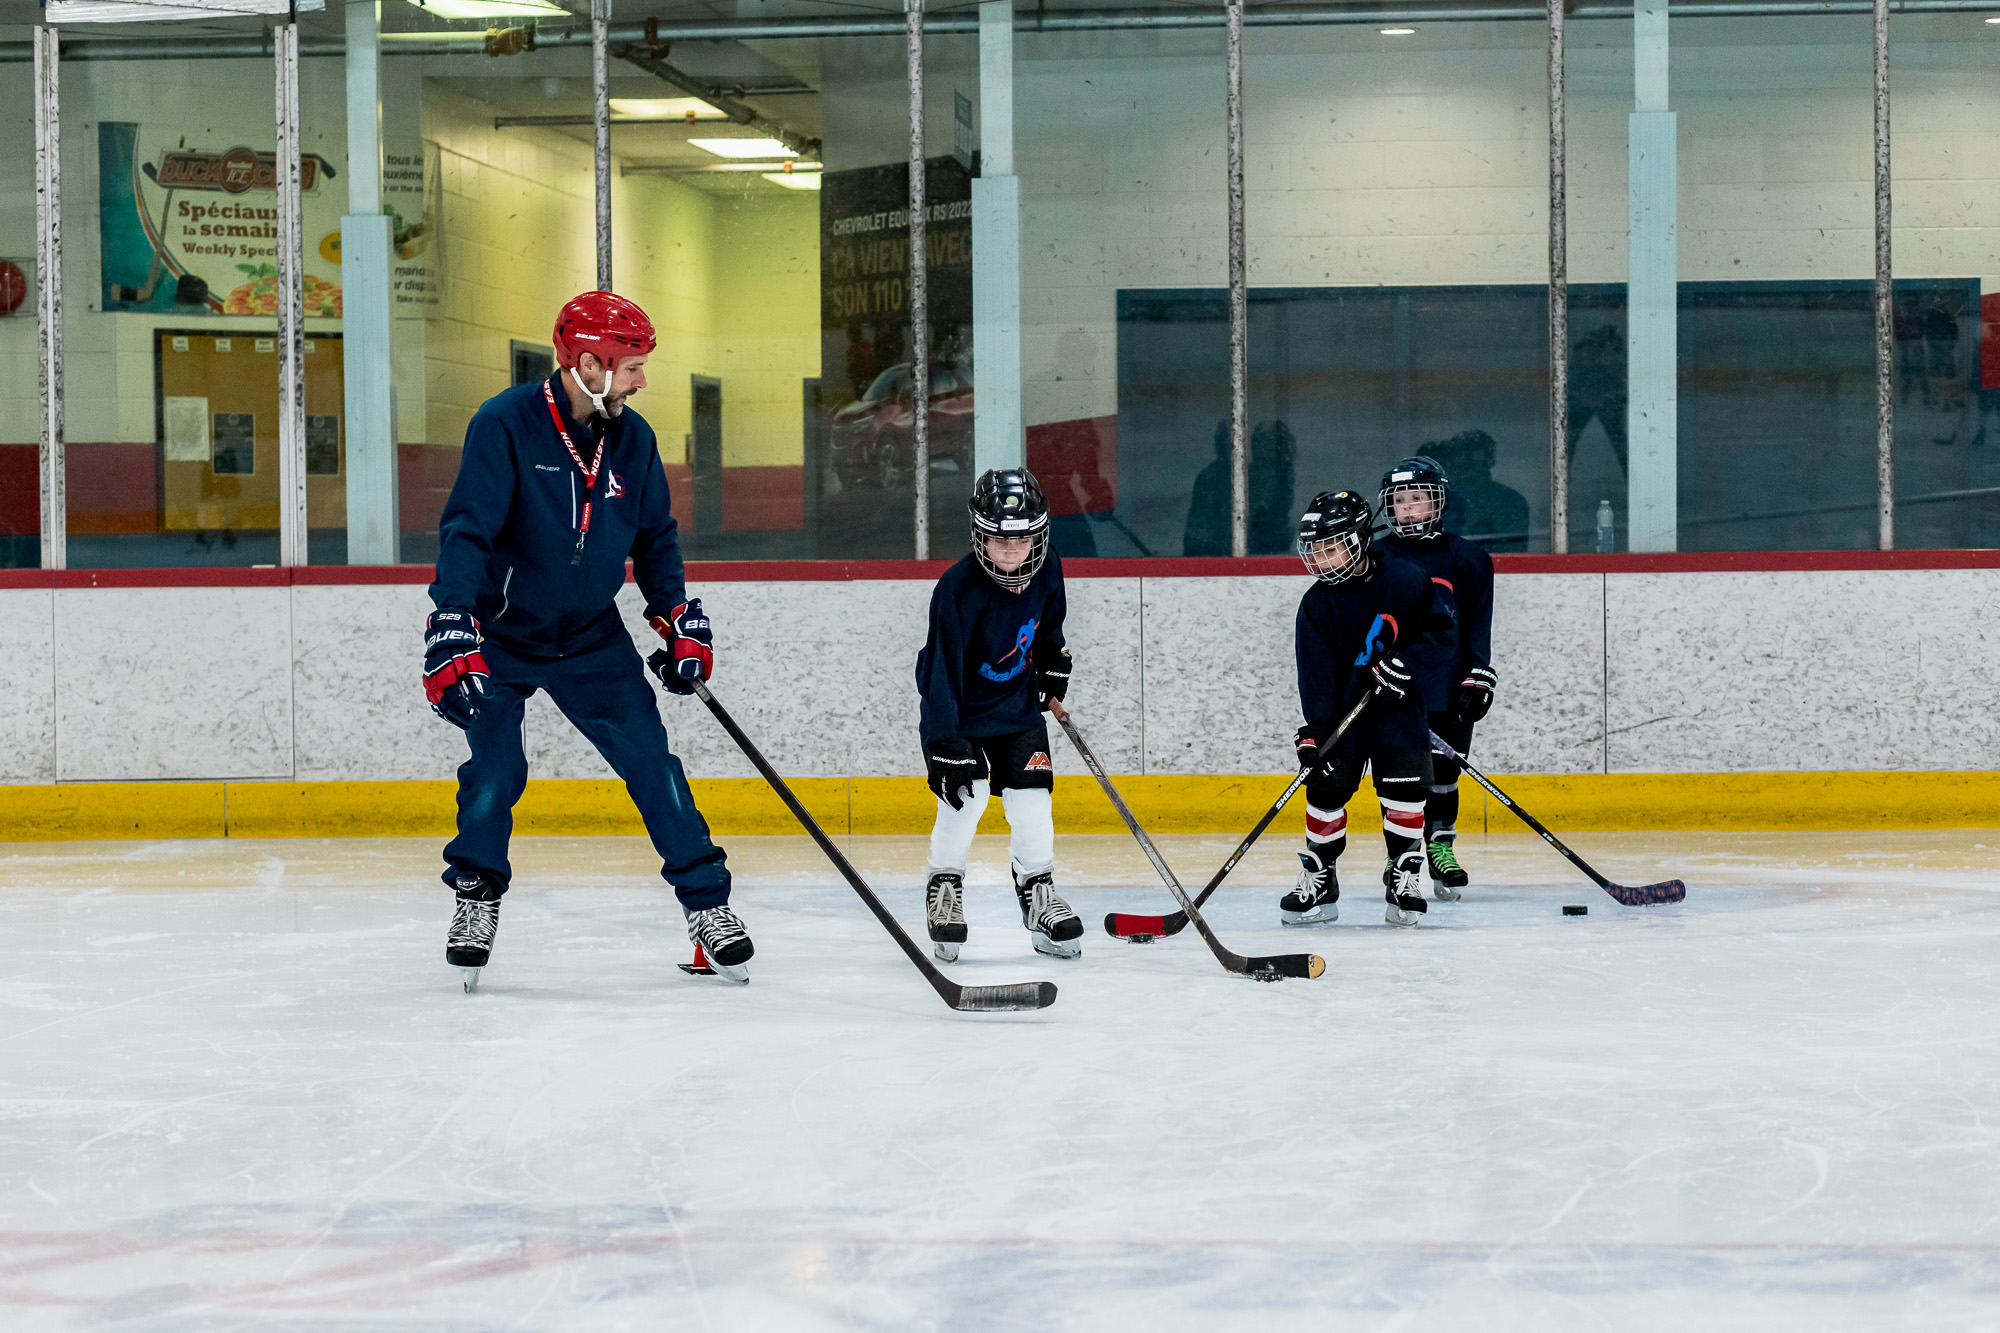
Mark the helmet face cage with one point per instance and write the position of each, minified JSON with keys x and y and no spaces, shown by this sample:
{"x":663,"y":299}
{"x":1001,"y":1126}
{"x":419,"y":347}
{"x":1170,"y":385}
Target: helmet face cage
{"x":1324,"y":559}
{"x":1422,"y":477}
{"x":1334,"y":536}
{"x":1009,"y":504}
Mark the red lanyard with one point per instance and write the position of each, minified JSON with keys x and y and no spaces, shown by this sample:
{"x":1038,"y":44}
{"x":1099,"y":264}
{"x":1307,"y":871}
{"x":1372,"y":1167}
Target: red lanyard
{"x":589,"y":473}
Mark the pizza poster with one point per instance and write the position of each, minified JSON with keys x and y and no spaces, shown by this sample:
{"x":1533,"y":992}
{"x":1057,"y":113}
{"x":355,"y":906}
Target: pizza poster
{"x":189,"y":225}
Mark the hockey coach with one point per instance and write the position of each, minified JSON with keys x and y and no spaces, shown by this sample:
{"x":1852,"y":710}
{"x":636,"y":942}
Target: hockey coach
{"x":559,"y":485}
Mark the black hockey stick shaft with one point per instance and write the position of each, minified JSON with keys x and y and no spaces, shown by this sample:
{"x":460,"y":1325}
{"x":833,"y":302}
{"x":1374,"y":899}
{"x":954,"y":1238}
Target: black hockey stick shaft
{"x":1028,"y":995}
{"x":1643,"y":895}
{"x":1286,"y":965}
{"x":1123,"y":924}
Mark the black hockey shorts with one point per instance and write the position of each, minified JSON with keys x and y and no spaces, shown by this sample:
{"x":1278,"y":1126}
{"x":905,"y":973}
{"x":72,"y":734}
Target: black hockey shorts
{"x":1393,"y":742}
{"x":1457,"y":733}
{"x":1019,"y":759}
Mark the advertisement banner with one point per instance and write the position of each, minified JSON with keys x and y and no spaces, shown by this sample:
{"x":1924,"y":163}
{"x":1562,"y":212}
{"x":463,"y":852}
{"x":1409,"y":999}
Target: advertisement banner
{"x":192,"y":228}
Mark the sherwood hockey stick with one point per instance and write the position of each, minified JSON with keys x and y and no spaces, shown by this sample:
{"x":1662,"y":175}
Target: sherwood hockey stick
{"x":1146,"y":929}
{"x":1644,"y":895}
{"x":1025,"y":995}
{"x":1273,"y":968}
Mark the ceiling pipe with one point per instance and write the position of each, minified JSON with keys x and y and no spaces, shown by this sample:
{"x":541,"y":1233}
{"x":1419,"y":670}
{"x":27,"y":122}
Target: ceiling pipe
{"x":1073,"y":20}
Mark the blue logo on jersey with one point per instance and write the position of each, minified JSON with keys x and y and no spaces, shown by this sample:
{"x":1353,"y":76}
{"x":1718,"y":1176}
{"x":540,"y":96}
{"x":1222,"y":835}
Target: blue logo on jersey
{"x":1019,"y":650}
{"x":1374,"y":637}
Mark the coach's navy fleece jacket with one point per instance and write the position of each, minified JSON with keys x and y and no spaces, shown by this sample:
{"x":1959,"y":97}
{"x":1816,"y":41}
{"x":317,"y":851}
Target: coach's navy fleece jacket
{"x":510,"y":527}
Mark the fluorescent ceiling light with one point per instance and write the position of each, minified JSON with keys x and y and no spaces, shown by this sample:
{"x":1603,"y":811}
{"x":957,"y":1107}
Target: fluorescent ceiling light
{"x":664,"y":108}
{"x":761,"y":166}
{"x":1399,"y":32}
{"x":1993,"y":20}
{"x":794,"y":180}
{"x":483,"y":9}
{"x":743,"y":147}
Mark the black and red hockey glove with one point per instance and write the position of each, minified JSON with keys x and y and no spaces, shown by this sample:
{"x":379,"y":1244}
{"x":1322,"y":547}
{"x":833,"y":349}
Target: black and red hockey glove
{"x":1391,"y":677}
{"x":1052,"y":681}
{"x":1474,"y":698}
{"x":691,"y":645}
{"x":455,"y":673}
{"x":951,"y":767}
{"x":1307,"y":745}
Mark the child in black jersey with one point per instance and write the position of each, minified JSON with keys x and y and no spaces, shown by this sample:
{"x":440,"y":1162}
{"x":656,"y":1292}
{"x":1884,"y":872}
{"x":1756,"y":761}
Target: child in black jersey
{"x":1456,"y":678}
{"x":994,"y":658}
{"x":1359,"y":626}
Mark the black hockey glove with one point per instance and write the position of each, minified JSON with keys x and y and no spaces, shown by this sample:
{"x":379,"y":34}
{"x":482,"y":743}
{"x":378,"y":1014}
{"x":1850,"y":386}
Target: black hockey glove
{"x":953,"y":766}
{"x":1307,"y":744}
{"x":455,"y":673}
{"x":1052,"y":681}
{"x":1392,"y":677}
{"x":1475,"y":694}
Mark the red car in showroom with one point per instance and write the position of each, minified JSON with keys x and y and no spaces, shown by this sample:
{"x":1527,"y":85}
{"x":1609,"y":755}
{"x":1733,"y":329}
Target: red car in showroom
{"x":872,"y":436}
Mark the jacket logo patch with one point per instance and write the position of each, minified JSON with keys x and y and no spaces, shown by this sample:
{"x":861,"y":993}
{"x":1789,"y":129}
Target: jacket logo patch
{"x":1038,"y":762}
{"x":614,"y":486}
{"x":1018,"y":654}
{"x":544,"y":467}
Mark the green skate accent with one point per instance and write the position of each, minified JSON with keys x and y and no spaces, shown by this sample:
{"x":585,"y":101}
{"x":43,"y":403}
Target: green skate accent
{"x":1444,"y":859}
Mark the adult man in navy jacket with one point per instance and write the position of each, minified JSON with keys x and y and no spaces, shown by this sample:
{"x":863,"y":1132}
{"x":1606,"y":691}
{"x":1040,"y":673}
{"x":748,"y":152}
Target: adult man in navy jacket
{"x":559,"y":484}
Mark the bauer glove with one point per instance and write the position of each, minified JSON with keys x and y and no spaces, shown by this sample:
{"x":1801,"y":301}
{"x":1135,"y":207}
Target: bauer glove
{"x":690,"y":654}
{"x":952,"y":766}
{"x":1052,"y":681}
{"x":455,"y":672}
{"x":1475,"y":694}
{"x":1392,"y":677}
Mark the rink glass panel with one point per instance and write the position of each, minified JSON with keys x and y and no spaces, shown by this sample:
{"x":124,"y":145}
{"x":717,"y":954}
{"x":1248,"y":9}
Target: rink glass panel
{"x":20,"y":493}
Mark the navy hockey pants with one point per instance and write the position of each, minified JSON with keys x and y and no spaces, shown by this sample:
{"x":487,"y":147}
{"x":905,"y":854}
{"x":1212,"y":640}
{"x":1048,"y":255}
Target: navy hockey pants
{"x":605,"y":691}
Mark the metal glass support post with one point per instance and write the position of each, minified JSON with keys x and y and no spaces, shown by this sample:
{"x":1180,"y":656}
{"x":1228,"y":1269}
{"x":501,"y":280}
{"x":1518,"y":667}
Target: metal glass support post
{"x":999,"y":435}
{"x":920,"y":320}
{"x":51,"y":459}
{"x":1652,"y":293}
{"x":291,"y":308}
{"x":1239,"y":302}
{"x":1558,"y":291}
{"x":1885,"y":299}
{"x":600,"y":86}
{"x":366,"y":252}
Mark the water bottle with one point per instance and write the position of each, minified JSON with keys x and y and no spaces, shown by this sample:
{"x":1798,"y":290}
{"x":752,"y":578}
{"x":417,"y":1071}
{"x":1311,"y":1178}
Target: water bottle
{"x":1607,"y":529}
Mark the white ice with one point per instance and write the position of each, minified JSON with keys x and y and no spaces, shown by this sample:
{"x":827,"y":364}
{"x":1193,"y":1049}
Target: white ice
{"x":241,"y":1089}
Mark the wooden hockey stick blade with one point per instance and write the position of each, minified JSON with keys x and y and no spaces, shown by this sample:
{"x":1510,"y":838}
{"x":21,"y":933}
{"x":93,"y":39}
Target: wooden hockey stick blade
{"x":1000,"y":999}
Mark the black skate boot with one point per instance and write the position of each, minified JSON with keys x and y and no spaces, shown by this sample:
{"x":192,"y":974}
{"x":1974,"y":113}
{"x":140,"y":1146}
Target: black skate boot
{"x":1315,"y":899}
{"x":1403,"y":888}
{"x":470,"y":942}
{"x":1057,"y":931}
{"x":720,"y":936}
{"x":1447,"y":875}
{"x":944,"y":912}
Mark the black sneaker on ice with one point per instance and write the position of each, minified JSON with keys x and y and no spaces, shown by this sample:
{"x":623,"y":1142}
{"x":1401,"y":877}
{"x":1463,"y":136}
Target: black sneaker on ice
{"x":473,"y":922}
{"x":944,"y":913}
{"x":1315,"y":899}
{"x":1057,"y":931}
{"x":723,"y":941}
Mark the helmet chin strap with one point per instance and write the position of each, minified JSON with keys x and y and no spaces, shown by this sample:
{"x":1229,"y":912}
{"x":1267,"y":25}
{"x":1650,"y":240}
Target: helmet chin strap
{"x":596,"y":398}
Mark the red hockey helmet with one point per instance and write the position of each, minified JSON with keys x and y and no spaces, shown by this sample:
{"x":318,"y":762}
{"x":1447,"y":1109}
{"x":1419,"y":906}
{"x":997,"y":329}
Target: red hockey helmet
{"x":609,"y":327}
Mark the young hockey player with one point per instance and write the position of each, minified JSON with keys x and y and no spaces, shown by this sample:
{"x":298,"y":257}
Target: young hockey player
{"x":994,"y":658}
{"x":1359,"y":626}
{"x":1456,"y":678}
{"x":559,"y":485}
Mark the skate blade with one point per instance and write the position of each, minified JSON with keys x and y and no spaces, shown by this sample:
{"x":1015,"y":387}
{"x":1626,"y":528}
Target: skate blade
{"x":945,"y":951}
{"x":1445,"y":893}
{"x":1056,"y":948}
{"x":470,"y":977}
{"x":1402,"y":916}
{"x":1319,"y":916}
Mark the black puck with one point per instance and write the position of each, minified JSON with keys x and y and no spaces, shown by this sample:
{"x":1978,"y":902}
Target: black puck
{"x":1575,"y":909}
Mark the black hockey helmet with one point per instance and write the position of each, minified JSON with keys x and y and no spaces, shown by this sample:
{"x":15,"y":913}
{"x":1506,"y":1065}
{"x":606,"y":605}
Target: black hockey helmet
{"x":1008,"y":502}
{"x":1424,"y":476}
{"x":1335,"y":533}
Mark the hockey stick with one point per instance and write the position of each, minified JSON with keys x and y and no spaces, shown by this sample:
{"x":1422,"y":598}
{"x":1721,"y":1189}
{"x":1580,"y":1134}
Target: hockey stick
{"x":1146,"y":929}
{"x":1273,"y":968}
{"x":1644,"y":895}
{"x":1026,"y":995}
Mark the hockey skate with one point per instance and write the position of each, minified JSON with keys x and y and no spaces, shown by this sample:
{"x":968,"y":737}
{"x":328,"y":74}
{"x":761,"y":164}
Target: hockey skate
{"x":473,"y":922}
{"x":1403,"y":888}
{"x":1315,"y":899}
{"x":1057,"y":931}
{"x":944,"y":913}
{"x":1447,"y":875}
{"x":719,"y":935}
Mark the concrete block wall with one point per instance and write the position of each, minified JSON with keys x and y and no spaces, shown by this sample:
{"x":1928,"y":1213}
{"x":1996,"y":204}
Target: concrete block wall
{"x":1600,"y":673}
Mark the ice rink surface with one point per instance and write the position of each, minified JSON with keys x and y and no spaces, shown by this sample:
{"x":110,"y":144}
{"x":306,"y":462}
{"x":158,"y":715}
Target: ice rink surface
{"x":242,"y":1090}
